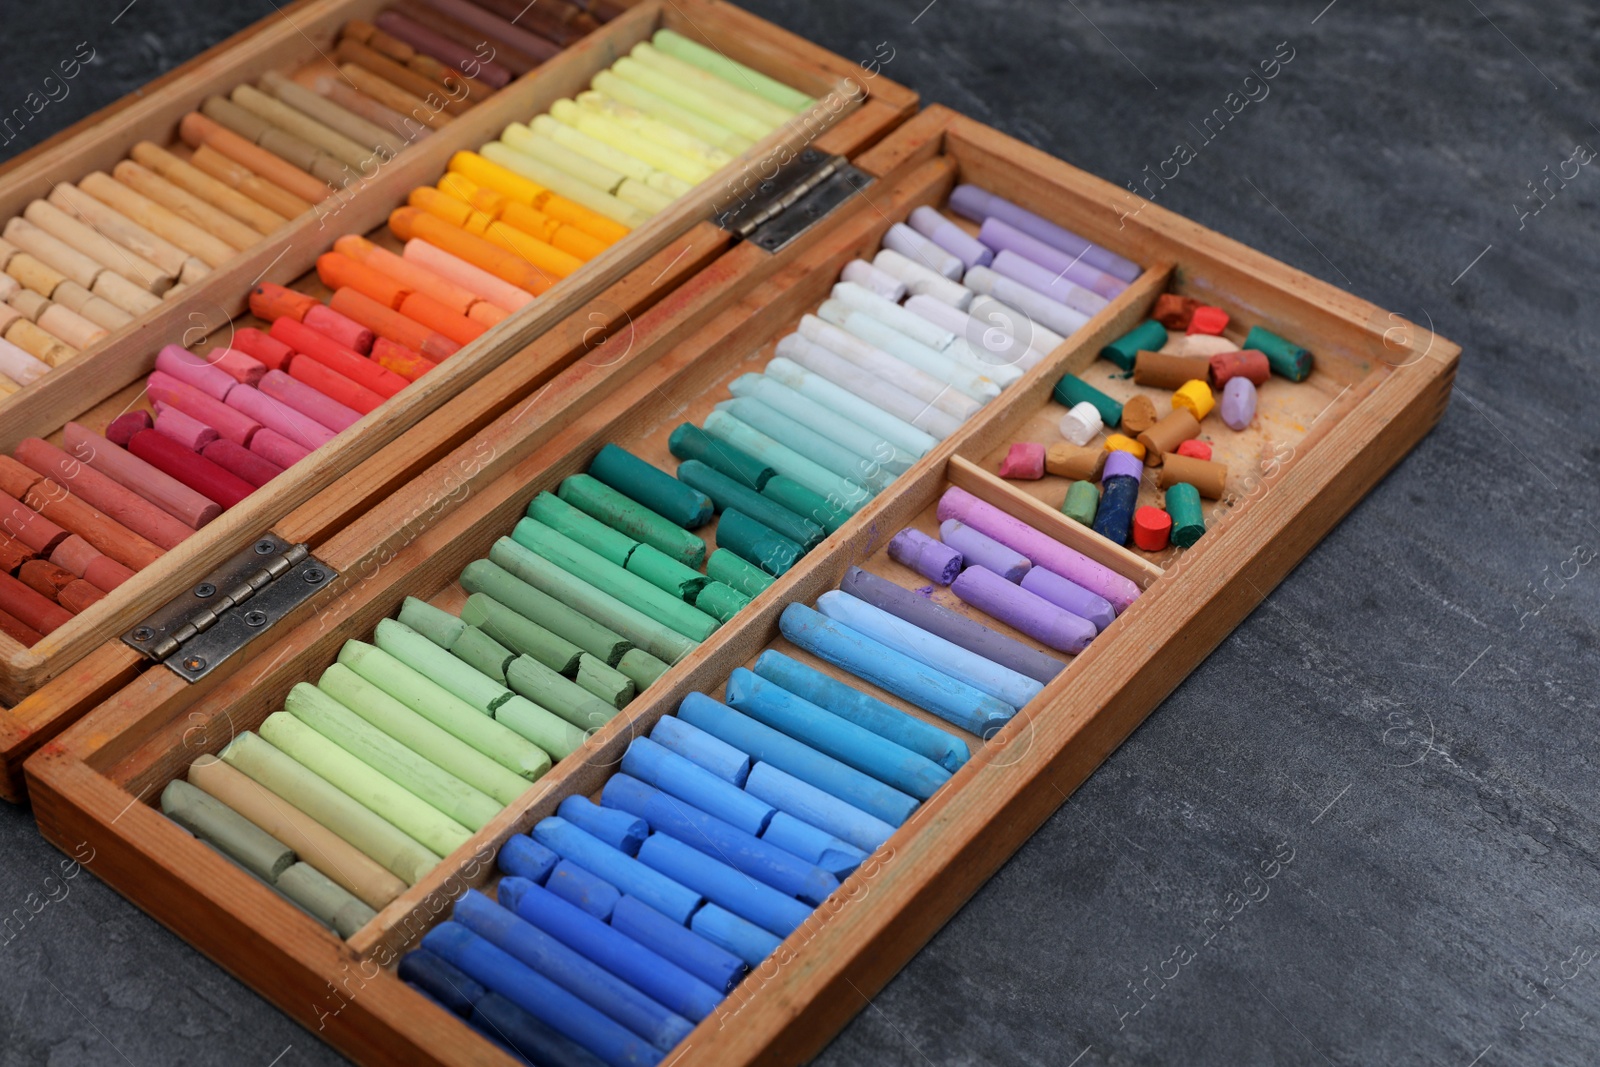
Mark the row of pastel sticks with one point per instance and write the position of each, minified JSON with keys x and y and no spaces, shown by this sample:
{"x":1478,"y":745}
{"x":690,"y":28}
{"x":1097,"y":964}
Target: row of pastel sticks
{"x":620,"y":925}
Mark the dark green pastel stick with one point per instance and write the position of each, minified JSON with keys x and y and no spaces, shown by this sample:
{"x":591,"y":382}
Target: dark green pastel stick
{"x":1072,"y":390}
{"x":542,"y":609}
{"x":757,"y":544}
{"x":556,"y":694}
{"x":607,"y":683}
{"x":477,"y":649}
{"x":720,"y":601}
{"x":436,"y":624}
{"x":1284,"y":357}
{"x":520,"y":635}
{"x":805,"y":503}
{"x":726,"y":493}
{"x":666,"y":573}
{"x":691,"y":442}
{"x":642,"y":668}
{"x":652,"y":487}
{"x":1188,"y":520}
{"x":632,"y":518}
{"x":562,"y":517}
{"x":1148,"y":336}
{"x":730,"y":570}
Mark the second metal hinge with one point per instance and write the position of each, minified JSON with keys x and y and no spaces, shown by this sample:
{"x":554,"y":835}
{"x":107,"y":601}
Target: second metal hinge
{"x":773,"y":212}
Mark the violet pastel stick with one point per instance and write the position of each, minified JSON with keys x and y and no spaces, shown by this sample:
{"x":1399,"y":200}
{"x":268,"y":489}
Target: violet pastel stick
{"x":950,"y":237}
{"x":980,"y":550}
{"x":932,"y":559}
{"x":1041,"y":280}
{"x":1024,"y":611}
{"x":1070,"y":596}
{"x":1002,"y":236}
{"x":978,"y":204}
{"x":1043,"y":550}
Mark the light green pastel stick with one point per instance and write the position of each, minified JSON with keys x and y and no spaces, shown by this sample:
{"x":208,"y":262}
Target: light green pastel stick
{"x":549,"y":731}
{"x":318,"y":894}
{"x":436,"y":624}
{"x":642,"y":196}
{"x":688,"y":159}
{"x":434,"y":663}
{"x":829,"y":423}
{"x":607,"y":542}
{"x":575,"y":140}
{"x":415,"y":816}
{"x":714,"y":62}
{"x":712,"y":132}
{"x":483,"y":654}
{"x":445,"y":710}
{"x":826,"y":453}
{"x":843,"y":492}
{"x":520,"y":635}
{"x":743,"y":577}
{"x":489,"y":580}
{"x":631,"y":70}
{"x":904,"y":435}
{"x":729,"y":91}
{"x":607,"y":683}
{"x":394,"y":719}
{"x":386,"y":844}
{"x":559,"y":181}
{"x":642,"y":667}
{"x":627,"y":516}
{"x":665,"y":573}
{"x":547,"y":150}
{"x":612,"y":580}
{"x":409,"y":770}
{"x":568,"y":699}
{"x":631,"y":122}
{"x":226,"y":830}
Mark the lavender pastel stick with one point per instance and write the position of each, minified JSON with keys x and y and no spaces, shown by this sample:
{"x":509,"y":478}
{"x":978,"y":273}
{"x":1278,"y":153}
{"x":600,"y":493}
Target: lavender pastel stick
{"x":952,"y":626}
{"x":1004,"y":237}
{"x":1069,"y":596}
{"x":950,"y":237}
{"x":919,"y":249}
{"x":932,"y":559}
{"x":980,"y":550}
{"x":1024,"y":611}
{"x":978,"y":204}
{"x":1044,"y":280}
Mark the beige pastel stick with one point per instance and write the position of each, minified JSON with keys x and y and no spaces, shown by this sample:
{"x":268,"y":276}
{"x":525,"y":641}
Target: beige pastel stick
{"x":123,"y":293}
{"x":28,"y":304}
{"x":98,"y":247}
{"x":40,"y":343}
{"x":71,"y":327}
{"x":8,"y":387}
{"x":211,"y":250}
{"x":69,"y":261}
{"x":75,"y":297}
{"x":217,"y":193}
{"x":301,"y":125}
{"x":390,"y":95}
{"x":280,"y":142}
{"x":121,"y":229}
{"x":7,"y":250}
{"x":312,"y":842}
{"x":367,"y":134}
{"x":39,"y":277}
{"x":186,"y":206}
{"x":270,"y":195}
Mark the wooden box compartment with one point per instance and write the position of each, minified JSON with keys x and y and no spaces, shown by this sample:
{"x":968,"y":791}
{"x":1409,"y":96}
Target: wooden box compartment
{"x":98,"y":386}
{"x":1380,"y":385}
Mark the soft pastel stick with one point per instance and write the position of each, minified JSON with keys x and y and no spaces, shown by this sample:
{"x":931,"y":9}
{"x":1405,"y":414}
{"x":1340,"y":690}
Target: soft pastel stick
{"x":1003,"y":237}
{"x":979,"y":378}
{"x":804,"y":841}
{"x":103,"y":493}
{"x":335,"y":356}
{"x":858,"y":439}
{"x":228,"y":420}
{"x":947,"y":235}
{"x":277,"y":449}
{"x":1047,"y":282}
{"x":626,"y":873}
{"x":440,"y":980}
{"x":877,"y":391}
{"x":278,"y":416}
{"x":723,"y":885}
{"x":33,"y":611}
{"x":307,"y":401}
{"x":340,"y":327}
{"x":578,"y":887}
{"x":523,"y":857}
{"x":406,"y":274}
{"x":170,"y":495}
{"x":807,"y":442}
{"x":1036,"y":309}
{"x":980,"y":550}
{"x":672,"y":774}
{"x":715,"y":966}
{"x":901,"y":433}
{"x":932,"y":559}
{"x":920,"y":249}
{"x":739,"y":936}
{"x":335,"y":386}
{"x":786,"y":461}
{"x":1024,"y":611}
{"x":193,"y":470}
{"x":241,"y":462}
{"x":495,"y":290}
{"x":819,"y":808}
{"x":978,"y":205}
{"x":701,"y":748}
{"x":195,"y":370}
{"x":1070,"y":596}
{"x":620,"y":830}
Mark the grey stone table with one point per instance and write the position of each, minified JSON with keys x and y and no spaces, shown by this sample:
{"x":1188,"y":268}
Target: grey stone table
{"x":1404,"y":732}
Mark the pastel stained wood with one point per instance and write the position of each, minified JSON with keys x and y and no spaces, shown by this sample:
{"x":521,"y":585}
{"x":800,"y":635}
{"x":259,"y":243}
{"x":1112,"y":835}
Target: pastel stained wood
{"x":194,"y":471}
{"x":53,"y":501}
{"x":36,"y":612}
{"x":219,"y":194}
{"x":192,"y":508}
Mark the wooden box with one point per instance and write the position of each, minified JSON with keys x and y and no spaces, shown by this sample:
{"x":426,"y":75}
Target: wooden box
{"x":1380,"y":384}
{"x":855,"y":109}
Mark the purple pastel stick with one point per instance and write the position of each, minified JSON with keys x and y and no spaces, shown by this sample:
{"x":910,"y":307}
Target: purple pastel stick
{"x":1024,"y":611}
{"x":919,"y":249}
{"x":950,"y":237}
{"x":1042,"y":549}
{"x":1030,"y":275}
{"x":978,"y":204}
{"x":194,"y":370}
{"x":934,"y":561}
{"x":1118,"y":463}
{"x":1001,"y":236}
{"x":979,"y":550}
{"x":1238,"y":403}
{"x":1069,"y":596}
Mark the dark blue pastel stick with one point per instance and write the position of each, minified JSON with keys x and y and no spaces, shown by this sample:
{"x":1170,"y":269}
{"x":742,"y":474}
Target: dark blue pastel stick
{"x":867,"y":712}
{"x":739,"y":936}
{"x":624,"y":872}
{"x":570,"y":970}
{"x":502,"y":1021}
{"x":819,"y":808}
{"x":582,"y":889}
{"x":743,"y":852}
{"x":774,"y":706}
{"x":655,"y":977}
{"x":699,"y":747}
{"x":531,"y":991}
{"x":801,"y":839}
{"x":526,"y":858}
{"x":671,"y":773}
{"x":621,"y":831}
{"x":804,"y":762}
{"x":722,"y":885}
{"x":441,"y":981}
{"x":718,"y":968}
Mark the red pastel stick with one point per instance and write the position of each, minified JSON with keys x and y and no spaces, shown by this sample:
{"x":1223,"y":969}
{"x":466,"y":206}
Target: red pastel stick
{"x":347,"y":361}
{"x":269,"y":351}
{"x":334,"y":386}
{"x":241,"y":462}
{"x":53,"y":501}
{"x":126,"y":506}
{"x":164,"y":491}
{"x":31,"y":609}
{"x":196,"y":472}
{"x":18,"y":631}
{"x":124,"y":426}
{"x":80,"y":596}
{"x":31,"y":528}
{"x":347,"y":332}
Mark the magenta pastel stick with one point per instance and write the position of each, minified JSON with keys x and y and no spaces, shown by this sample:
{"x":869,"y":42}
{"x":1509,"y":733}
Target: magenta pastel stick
{"x":1069,"y":596}
{"x":1030,"y":275}
{"x":277,"y":449}
{"x":193,"y":370}
{"x":124,"y":426}
{"x":187,"y":430}
{"x":934,"y":561}
{"x":308,"y":401}
{"x":226,"y":418}
{"x":980,"y":550}
{"x":1003,"y":237}
{"x":978,"y":204}
{"x":950,"y":237}
{"x":275,"y":415}
{"x":1023,"y":611}
{"x":1042,"y":549}
{"x":347,"y":331}
{"x":237,"y":365}
{"x":241,"y":462}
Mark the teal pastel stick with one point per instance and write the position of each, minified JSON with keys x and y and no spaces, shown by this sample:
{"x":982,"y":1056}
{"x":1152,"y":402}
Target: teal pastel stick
{"x":764,"y":744}
{"x":651,"y":486}
{"x":610,"y":545}
{"x":730,"y":570}
{"x":689,"y":441}
{"x":807,"y":442}
{"x":817,"y":807}
{"x":632,"y":518}
{"x":904,"y":435}
{"x":842,"y":492}
{"x":846,"y":742}
{"x":802,"y":409}
{"x":726,"y":493}
{"x":828,"y":514}
{"x":756,"y":544}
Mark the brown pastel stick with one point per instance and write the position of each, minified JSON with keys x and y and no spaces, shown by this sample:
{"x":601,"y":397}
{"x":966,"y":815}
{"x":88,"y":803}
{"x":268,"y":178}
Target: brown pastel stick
{"x":162,"y":490}
{"x":275,"y":198}
{"x":1067,"y":460}
{"x":17,"y":478}
{"x":211,"y":250}
{"x":28,"y":526}
{"x":342,"y":93}
{"x":217,"y":193}
{"x":37,"y":275}
{"x":403,"y":52}
{"x":14,"y":553}
{"x":1208,"y":476}
{"x":1163,"y":371}
{"x":1248,"y":363}
{"x":39,"y":343}
{"x":186,"y":206}
{"x":561,"y":23}
{"x":52,"y":500}
{"x":411,"y":108}
{"x":45,"y":578}
{"x":196,"y":130}
{"x":80,"y":596}
{"x":1138,"y":414}
{"x":98,"y":311}
{"x":1167,"y":434}
{"x":281,"y":143}
{"x":402,"y":77}
{"x":513,"y":59}
{"x":19,"y":631}
{"x":367,"y":135}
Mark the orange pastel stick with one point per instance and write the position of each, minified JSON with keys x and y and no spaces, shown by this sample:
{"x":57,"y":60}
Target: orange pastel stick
{"x":539,"y":253}
{"x":334,"y":386}
{"x":400,"y":359}
{"x":567,"y":238}
{"x":487,"y":313}
{"x":420,"y":307}
{"x":196,"y":130}
{"x":269,"y":302}
{"x":408,"y":222}
{"x":386,"y":322}
{"x":341,"y":272}
{"x":417,"y":279}
{"x":336,"y":357}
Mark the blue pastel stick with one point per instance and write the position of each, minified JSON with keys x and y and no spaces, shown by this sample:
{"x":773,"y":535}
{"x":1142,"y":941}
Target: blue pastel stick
{"x":583,"y":890}
{"x":823,"y":810}
{"x":655,"y":977}
{"x":724,"y":886}
{"x":671,"y":773}
{"x":531,"y":991}
{"x":712,"y":964}
{"x":739,"y":936}
{"x":441,"y":981}
{"x":867,"y":712}
{"x":745,"y":853}
{"x":804,"y":841}
{"x":621,"y":831}
{"x":846,"y":742}
{"x":952,"y":700}
{"x":592,"y":984}
{"x":699,"y":747}
{"x":524,"y":857}
{"x":624,"y":872}
{"x":806,"y":763}
{"x":502,"y":1021}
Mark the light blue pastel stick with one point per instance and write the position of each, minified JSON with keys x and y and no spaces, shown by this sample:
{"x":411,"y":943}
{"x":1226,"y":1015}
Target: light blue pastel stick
{"x":765,"y":744}
{"x":911,"y":680}
{"x":724,"y":886}
{"x":739,"y":936}
{"x":809,"y":443}
{"x":902,"y":434}
{"x":676,"y":776}
{"x":786,"y":461}
{"x":623,"y":871}
{"x":621,"y":831}
{"x":858,"y":439}
{"x":846,"y":742}
{"x":867,"y":712}
{"x":985,"y":675}
{"x":699,"y":747}
{"x":523,"y":857}
{"x":811,"y":805}
{"x":879,"y":334}
{"x":583,"y":890}
{"x":806,"y":842}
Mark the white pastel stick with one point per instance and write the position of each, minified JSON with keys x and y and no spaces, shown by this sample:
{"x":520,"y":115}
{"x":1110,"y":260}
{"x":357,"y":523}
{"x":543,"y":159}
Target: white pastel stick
{"x":974,"y":381}
{"x":919,"y":383}
{"x":993,"y":344}
{"x":874,"y":390}
{"x":996,"y":314}
{"x":1082,"y":423}
{"x":871,"y":278}
{"x":919,"y":279}
{"x":913,"y":326}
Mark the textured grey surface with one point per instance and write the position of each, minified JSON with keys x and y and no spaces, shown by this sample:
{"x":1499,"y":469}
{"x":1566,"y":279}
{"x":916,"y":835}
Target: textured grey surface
{"x":1410,"y":717}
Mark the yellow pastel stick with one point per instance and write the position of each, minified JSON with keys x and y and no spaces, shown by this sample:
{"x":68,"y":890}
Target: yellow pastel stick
{"x":518,"y":189}
{"x":559,"y":181}
{"x":670,"y":113}
{"x":542,"y":148}
{"x":711,"y":85}
{"x":692,"y":168}
{"x":608,"y":156}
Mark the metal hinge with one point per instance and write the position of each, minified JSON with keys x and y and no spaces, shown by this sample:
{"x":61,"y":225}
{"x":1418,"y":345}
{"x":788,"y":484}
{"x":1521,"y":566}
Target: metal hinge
{"x":235,"y":604}
{"x":775,"y":211}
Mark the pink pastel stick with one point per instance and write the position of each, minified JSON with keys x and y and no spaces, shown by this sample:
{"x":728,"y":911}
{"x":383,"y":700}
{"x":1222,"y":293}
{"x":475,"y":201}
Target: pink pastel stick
{"x":237,"y":365}
{"x":277,"y":449}
{"x":275,"y":415}
{"x":227,"y":419}
{"x":1042,"y":549}
{"x":306,"y":400}
{"x":124,"y":426}
{"x":502,"y":294}
{"x":187,"y":430}
{"x":131,"y":472}
{"x":341,"y":328}
{"x":193,"y":370}
{"x":242,"y":462}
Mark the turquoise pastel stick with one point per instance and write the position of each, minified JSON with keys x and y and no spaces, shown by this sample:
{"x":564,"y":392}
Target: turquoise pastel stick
{"x":858,"y":439}
{"x":809,"y":443}
{"x":727,"y":493}
{"x":786,"y":461}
